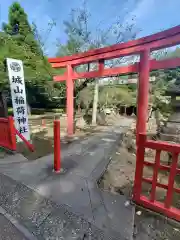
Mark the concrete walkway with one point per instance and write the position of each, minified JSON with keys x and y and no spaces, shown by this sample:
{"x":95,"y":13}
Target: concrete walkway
{"x":68,"y":205}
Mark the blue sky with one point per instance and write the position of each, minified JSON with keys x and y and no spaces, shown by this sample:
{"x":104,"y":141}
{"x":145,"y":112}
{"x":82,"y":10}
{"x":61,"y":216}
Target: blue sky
{"x":151,"y":15}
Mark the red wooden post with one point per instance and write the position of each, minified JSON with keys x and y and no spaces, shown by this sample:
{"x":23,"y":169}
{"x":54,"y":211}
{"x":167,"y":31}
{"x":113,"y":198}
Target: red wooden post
{"x":143,"y":92}
{"x":57,"y":147}
{"x":139,"y":167}
{"x":155,"y":175}
{"x":70,"y":101}
{"x":12,"y":133}
{"x":28,"y":144}
{"x":171,"y":180}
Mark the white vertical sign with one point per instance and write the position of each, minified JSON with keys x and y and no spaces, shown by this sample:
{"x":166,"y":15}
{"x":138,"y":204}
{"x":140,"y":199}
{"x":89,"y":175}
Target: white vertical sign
{"x":18,"y":94}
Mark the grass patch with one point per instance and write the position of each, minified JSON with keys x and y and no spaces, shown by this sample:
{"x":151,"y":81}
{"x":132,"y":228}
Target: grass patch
{"x":10,"y":111}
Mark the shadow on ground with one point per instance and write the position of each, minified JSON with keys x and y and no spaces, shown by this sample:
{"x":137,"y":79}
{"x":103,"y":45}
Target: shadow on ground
{"x":43,"y":146}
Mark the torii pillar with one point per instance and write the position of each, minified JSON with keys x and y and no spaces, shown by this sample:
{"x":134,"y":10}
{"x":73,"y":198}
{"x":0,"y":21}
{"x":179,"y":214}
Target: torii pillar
{"x":70,"y":101}
{"x":143,"y":92}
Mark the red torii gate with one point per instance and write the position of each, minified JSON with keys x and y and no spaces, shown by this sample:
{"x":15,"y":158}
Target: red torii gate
{"x":143,"y":47}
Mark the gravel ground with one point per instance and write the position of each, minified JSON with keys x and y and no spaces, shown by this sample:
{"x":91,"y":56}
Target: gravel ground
{"x":151,"y":226}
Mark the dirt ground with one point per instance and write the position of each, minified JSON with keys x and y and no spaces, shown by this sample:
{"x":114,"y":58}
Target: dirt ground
{"x":42,"y":134}
{"x":119,"y":176}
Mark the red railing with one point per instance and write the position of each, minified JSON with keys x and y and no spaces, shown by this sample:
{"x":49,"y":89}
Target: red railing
{"x":151,"y":202}
{"x":8,"y":134}
{"x":28,"y":144}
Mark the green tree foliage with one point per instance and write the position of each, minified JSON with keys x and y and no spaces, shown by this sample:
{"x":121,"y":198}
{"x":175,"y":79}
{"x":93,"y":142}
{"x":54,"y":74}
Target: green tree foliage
{"x":24,"y":43}
{"x":20,"y":41}
{"x":19,"y":26}
{"x":111,"y":96}
{"x":167,"y":74}
{"x":164,"y":80}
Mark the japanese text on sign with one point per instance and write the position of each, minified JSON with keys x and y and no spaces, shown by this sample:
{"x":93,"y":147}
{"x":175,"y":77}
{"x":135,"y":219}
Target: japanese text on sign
{"x":18,"y":94}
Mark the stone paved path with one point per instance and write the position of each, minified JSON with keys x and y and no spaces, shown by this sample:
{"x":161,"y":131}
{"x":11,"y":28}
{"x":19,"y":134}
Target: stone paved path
{"x":68,"y":205}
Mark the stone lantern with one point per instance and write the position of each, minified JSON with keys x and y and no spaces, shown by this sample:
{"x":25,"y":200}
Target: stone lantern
{"x":171,"y":130}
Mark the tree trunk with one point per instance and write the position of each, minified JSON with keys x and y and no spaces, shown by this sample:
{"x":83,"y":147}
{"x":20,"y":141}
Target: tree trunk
{"x":28,"y":109}
{"x":157,"y":117}
{"x":95,"y":102}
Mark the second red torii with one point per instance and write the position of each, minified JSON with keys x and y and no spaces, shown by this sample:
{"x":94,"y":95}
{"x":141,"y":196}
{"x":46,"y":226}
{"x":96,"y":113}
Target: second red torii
{"x":141,"y":46}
